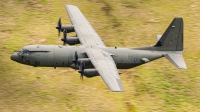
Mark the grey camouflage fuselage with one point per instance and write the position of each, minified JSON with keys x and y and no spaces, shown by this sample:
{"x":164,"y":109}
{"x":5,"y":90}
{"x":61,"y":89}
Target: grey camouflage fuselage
{"x":169,"y":45}
{"x":62,"y":56}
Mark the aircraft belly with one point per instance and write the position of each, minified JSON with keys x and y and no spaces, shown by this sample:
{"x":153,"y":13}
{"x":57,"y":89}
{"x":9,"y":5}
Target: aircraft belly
{"x":126,"y":65}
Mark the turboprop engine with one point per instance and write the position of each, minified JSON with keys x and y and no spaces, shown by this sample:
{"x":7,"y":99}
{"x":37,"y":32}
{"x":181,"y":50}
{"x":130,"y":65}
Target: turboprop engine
{"x":81,"y":64}
{"x":87,"y":72}
{"x":67,"y":29}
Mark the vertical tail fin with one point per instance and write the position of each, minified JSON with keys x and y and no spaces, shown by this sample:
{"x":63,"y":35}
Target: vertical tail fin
{"x":172,"y":39}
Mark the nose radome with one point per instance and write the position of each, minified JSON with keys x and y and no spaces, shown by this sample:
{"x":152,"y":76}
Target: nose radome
{"x":14,"y":57}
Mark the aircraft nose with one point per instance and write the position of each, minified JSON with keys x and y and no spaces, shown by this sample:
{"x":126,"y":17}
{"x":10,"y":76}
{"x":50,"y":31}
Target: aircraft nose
{"x":14,"y":57}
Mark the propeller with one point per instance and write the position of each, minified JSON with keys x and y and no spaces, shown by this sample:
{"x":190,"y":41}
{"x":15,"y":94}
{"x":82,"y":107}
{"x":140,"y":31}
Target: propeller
{"x":81,"y":69}
{"x":59,"y":26}
{"x":64,"y":39}
{"x":75,"y":59}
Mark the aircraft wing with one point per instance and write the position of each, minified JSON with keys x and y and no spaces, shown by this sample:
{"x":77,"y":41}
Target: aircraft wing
{"x":85,"y":32}
{"x":106,"y":68}
{"x":101,"y":60}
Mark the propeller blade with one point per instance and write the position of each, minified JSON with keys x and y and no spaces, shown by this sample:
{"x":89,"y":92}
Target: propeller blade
{"x":59,"y":22}
{"x":81,"y":69}
{"x":75,"y":59}
{"x":81,"y":77}
{"x":64,"y":37}
{"x":64,"y":33}
{"x":59,"y":26}
{"x":64,"y":43}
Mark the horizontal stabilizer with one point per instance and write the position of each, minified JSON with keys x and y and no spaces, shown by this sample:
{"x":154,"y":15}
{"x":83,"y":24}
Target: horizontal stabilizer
{"x":176,"y":59}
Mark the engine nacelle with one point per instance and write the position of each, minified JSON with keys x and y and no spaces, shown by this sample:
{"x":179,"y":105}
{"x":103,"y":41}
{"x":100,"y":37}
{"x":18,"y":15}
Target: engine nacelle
{"x":72,"y":40}
{"x":90,"y":73}
{"x":68,"y":28}
{"x":85,"y":60}
{"x":86,"y":63}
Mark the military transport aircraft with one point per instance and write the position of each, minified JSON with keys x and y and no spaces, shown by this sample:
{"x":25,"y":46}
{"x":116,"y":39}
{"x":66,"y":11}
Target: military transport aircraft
{"x":93,"y":58}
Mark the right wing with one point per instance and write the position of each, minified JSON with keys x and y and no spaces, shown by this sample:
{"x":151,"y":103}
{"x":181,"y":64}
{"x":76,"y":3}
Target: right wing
{"x":106,"y":68}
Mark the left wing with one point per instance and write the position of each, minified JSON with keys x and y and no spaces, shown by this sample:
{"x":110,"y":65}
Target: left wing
{"x":85,"y":32}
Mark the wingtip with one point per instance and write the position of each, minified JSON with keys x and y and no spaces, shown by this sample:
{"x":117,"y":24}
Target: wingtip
{"x":117,"y":90}
{"x":183,"y":67}
{"x":67,"y":5}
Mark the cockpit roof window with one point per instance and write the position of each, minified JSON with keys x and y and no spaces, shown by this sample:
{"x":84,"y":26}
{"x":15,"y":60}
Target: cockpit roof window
{"x":23,"y":52}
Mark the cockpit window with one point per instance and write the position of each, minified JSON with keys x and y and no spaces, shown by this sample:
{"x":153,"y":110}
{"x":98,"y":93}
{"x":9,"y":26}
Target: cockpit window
{"x":23,"y":52}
